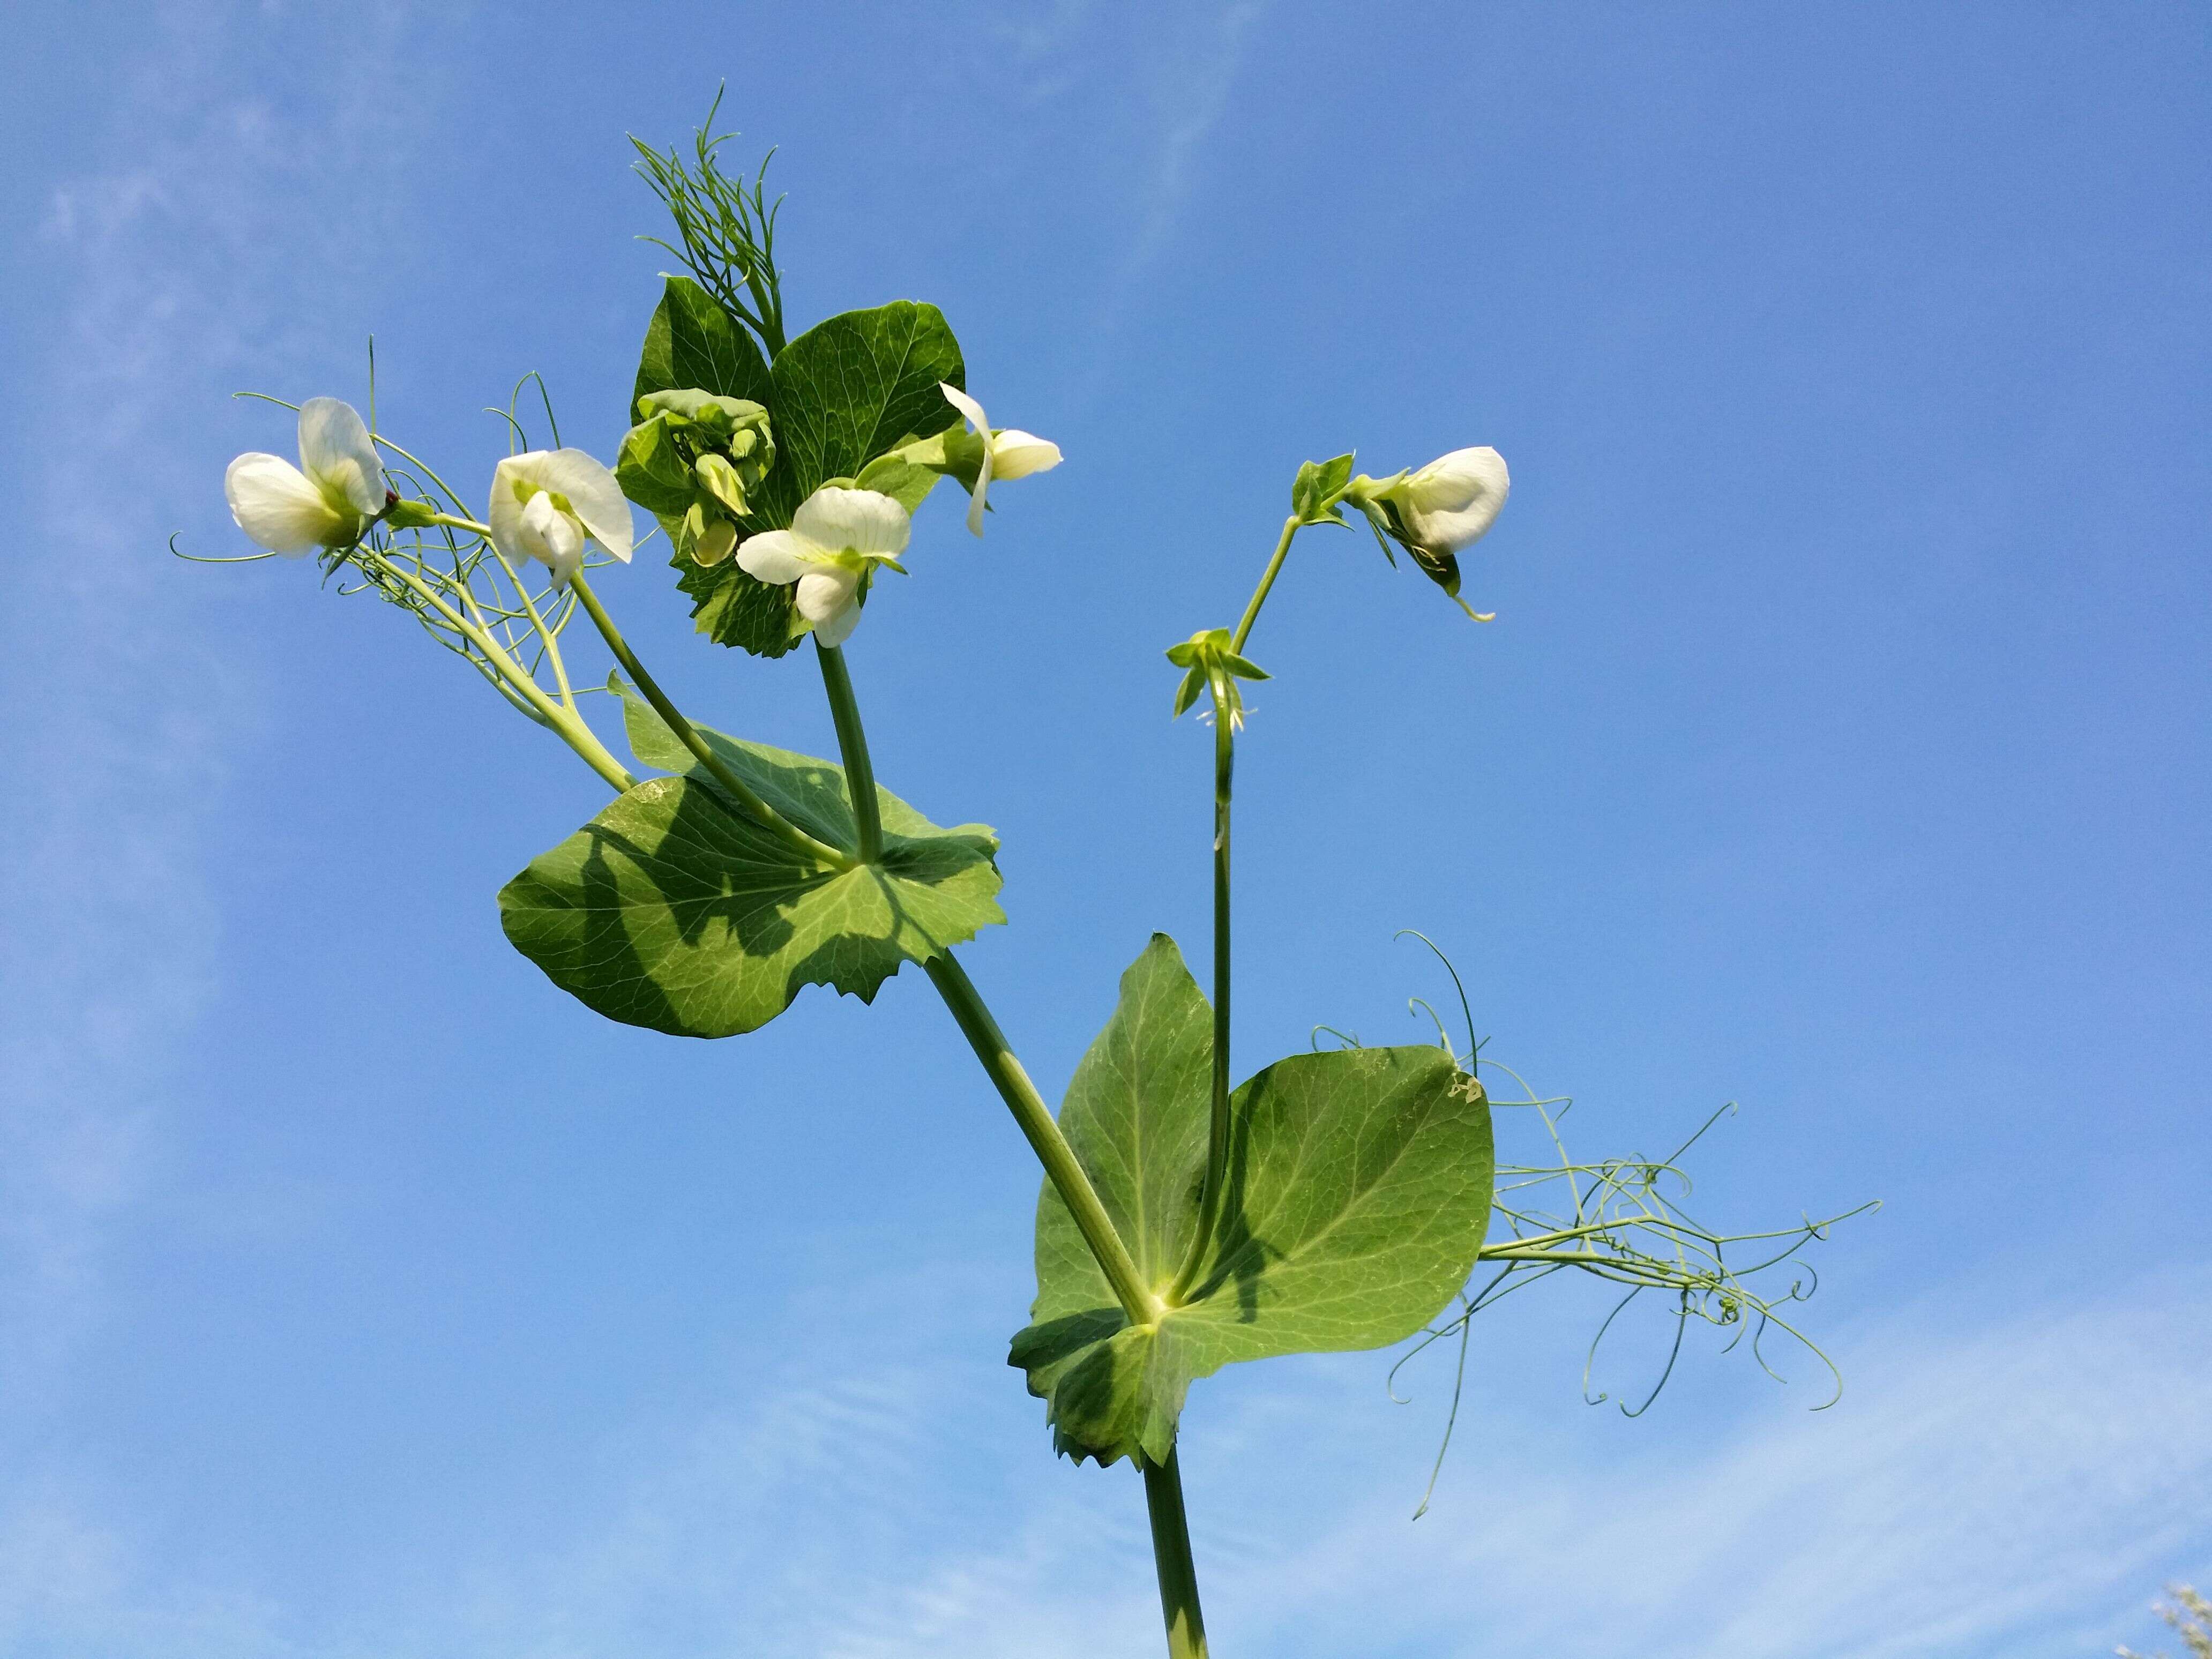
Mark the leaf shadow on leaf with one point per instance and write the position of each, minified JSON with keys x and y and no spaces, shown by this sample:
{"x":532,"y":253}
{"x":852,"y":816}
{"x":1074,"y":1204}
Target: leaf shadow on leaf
{"x":601,"y":891}
{"x":760,"y":919}
{"x":1238,"y":1253}
{"x":674,"y":910}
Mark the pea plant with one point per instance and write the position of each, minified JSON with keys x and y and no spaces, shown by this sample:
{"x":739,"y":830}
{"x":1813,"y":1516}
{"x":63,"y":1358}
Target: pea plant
{"x":1349,"y":1197}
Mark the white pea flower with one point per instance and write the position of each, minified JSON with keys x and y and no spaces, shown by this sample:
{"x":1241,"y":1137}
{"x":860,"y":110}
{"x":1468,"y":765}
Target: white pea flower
{"x":330,"y":503}
{"x":1011,"y":453}
{"x":546,"y":502}
{"x":836,"y":540}
{"x":1448,"y":505}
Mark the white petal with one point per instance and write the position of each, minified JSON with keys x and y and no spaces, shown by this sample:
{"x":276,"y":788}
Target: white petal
{"x":967,"y":405}
{"x":338,"y":456}
{"x":1450,"y":503}
{"x":275,"y":504}
{"x":592,"y":493}
{"x":510,"y":488}
{"x":824,"y":594}
{"x":838,"y":628}
{"x":1016,"y":455}
{"x":551,"y":536}
{"x":775,"y":557}
{"x":852,"y":521}
{"x":982,"y":490}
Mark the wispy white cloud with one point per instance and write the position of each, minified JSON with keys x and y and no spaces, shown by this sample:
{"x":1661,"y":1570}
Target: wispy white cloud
{"x":1188,"y":79}
{"x":210,"y":217}
{"x":2015,"y":1489}
{"x":1999,"y":1490}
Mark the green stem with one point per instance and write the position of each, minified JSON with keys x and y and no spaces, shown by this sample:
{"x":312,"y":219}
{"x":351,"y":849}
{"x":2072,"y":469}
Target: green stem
{"x":1267,"y":581}
{"x":571,"y":726}
{"x":1178,"y":1576}
{"x":1171,"y":1555}
{"x":1035,"y":1121}
{"x":1217,"y":1128}
{"x":789,"y":833}
{"x":1224,"y":761}
{"x":853,"y":745}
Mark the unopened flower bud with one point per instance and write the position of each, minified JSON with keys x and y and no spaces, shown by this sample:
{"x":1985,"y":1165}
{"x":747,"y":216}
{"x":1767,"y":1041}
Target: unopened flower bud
{"x":721,"y":481}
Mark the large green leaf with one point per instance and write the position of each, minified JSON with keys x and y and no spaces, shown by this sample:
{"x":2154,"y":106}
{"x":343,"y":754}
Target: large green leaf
{"x":1357,"y":1192}
{"x":849,"y":390}
{"x":675,"y":910}
{"x":692,"y":341}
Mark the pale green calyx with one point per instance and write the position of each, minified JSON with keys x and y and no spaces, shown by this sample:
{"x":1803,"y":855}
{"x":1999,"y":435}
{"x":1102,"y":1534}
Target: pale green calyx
{"x":836,"y":540}
{"x":1212,"y":662}
{"x":328,"y":501}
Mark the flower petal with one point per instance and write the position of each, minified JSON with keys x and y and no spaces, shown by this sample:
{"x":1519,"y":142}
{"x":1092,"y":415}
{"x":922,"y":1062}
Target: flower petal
{"x":1016,"y":455}
{"x":554,"y":538}
{"x":967,"y":405}
{"x":838,"y":628}
{"x":1450,"y":503}
{"x":838,"y":520}
{"x":775,"y":557}
{"x":593,"y":494}
{"x":980,"y":493}
{"x":274,"y":503}
{"x":510,"y":487}
{"x":338,"y":456}
{"x":823,"y":594}
{"x":831,"y":601}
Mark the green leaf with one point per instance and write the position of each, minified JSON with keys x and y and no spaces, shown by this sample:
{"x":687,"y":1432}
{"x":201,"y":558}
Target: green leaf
{"x":692,"y":344}
{"x":854,"y":387}
{"x":1317,"y":483}
{"x":652,"y":472}
{"x":1358,"y":1190}
{"x":675,"y":910}
{"x":845,"y":393}
{"x":899,"y":479}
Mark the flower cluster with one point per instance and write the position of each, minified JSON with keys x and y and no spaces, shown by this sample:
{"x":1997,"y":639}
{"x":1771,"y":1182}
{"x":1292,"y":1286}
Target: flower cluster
{"x":696,"y":458}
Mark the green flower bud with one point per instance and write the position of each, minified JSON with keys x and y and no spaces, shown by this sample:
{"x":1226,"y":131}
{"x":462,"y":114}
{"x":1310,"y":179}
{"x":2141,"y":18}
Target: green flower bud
{"x":719,"y":415}
{"x":412,"y":515}
{"x":722,"y":482}
{"x":702,"y":536}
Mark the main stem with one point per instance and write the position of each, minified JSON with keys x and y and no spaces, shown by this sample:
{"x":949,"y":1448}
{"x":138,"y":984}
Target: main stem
{"x":769,"y":820}
{"x":1178,"y":1574}
{"x":1163,"y":1503}
{"x":853,"y":744}
{"x":1037,"y":1126}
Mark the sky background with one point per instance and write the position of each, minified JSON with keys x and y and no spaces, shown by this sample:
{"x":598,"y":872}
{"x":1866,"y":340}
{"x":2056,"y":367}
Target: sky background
{"x":1840,"y":750}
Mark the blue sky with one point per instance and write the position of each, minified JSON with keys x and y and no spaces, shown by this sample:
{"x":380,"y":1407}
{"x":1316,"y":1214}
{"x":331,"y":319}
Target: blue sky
{"x":1840,"y":750}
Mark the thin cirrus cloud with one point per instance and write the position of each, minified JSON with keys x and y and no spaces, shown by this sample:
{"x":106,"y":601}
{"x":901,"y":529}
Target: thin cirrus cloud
{"x":2013,"y":1488}
{"x":165,"y":257}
